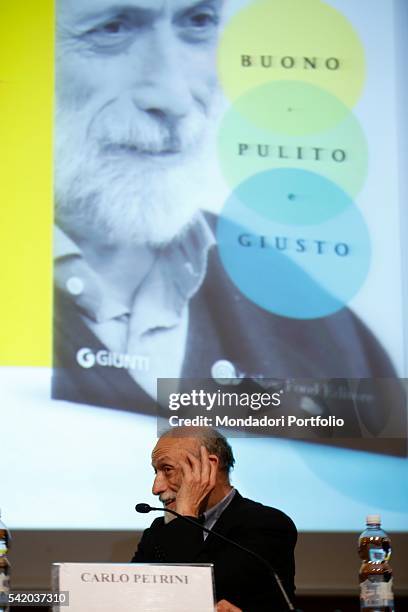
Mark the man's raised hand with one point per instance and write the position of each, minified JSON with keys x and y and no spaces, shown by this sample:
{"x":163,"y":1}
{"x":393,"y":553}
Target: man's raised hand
{"x":198,"y":480}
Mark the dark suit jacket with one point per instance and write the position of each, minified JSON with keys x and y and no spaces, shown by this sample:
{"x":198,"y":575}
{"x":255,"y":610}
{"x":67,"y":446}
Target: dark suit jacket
{"x":239,"y":578}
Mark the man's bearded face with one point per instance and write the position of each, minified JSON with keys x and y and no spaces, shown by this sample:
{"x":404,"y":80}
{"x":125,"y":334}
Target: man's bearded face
{"x":136,"y":92}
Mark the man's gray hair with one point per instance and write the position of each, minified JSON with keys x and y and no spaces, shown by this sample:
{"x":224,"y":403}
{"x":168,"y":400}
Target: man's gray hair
{"x":213,"y":440}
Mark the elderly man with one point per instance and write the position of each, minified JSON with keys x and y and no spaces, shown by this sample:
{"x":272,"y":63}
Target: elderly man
{"x":136,"y":88}
{"x":141,"y":292}
{"x":192,"y":477}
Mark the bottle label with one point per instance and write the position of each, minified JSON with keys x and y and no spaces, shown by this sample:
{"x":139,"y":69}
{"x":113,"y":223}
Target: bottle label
{"x":377,"y":555}
{"x":376,"y":594}
{"x":3,"y":546}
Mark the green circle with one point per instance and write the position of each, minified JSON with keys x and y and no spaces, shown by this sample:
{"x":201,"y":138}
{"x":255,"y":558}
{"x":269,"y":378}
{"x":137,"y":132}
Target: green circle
{"x":292,"y":108}
{"x":339,"y":153}
{"x":294,"y":40}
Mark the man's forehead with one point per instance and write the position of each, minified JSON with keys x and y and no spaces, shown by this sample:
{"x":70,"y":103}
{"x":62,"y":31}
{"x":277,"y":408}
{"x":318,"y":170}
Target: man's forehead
{"x":169,"y":447}
{"x":82,"y":9}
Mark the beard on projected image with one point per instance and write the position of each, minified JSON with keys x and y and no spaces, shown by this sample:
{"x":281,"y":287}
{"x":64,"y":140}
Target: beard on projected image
{"x":132,"y":178}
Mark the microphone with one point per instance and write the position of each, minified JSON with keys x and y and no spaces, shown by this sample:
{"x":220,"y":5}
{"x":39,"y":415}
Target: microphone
{"x":145,"y":508}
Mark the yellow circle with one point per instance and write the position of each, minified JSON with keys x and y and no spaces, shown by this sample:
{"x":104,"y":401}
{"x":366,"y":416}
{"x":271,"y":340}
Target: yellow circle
{"x":298,"y":40}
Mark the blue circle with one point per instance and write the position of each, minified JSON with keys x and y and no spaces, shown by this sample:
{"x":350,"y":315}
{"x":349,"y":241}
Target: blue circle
{"x":296,"y":270}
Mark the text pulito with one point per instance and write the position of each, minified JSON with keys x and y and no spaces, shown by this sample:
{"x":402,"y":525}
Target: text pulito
{"x":318,"y":154}
{"x":87,"y":358}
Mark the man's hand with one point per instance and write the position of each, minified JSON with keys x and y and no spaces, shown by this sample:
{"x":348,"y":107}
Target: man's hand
{"x":226,"y":606}
{"x":198,"y":480}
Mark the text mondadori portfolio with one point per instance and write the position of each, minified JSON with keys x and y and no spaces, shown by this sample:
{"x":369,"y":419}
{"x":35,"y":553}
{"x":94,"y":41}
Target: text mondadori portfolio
{"x":252,"y":421}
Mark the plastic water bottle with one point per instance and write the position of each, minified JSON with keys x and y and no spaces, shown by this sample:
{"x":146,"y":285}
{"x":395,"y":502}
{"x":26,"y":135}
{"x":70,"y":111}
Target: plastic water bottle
{"x":374,"y":547}
{"x":4,"y":565}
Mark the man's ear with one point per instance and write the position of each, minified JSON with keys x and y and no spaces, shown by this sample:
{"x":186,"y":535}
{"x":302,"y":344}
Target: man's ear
{"x":214,"y":459}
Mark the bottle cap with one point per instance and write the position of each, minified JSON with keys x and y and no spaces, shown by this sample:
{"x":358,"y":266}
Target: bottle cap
{"x":373,"y":519}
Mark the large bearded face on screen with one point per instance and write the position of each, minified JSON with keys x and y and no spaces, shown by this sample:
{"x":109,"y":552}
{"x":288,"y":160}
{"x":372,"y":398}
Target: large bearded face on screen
{"x":136,"y":107}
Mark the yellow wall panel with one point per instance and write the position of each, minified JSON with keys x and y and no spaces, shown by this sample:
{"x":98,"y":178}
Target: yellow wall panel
{"x":26,"y":117}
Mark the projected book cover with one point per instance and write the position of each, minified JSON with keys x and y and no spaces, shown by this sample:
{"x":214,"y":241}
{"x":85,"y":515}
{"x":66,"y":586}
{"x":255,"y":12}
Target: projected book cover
{"x":252,"y":116}
{"x":227,"y":221}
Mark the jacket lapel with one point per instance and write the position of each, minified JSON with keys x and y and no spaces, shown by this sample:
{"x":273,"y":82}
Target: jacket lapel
{"x":227,"y":521}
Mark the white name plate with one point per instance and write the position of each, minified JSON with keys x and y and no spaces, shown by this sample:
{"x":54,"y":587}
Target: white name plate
{"x":134,"y":587}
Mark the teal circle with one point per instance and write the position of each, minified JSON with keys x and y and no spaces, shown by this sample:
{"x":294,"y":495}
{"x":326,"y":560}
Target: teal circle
{"x":296,"y":270}
{"x":340,"y":152}
{"x":293,"y":197}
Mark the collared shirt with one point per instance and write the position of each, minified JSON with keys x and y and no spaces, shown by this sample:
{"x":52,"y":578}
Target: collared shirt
{"x":213,"y":514}
{"x":154,"y":328}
